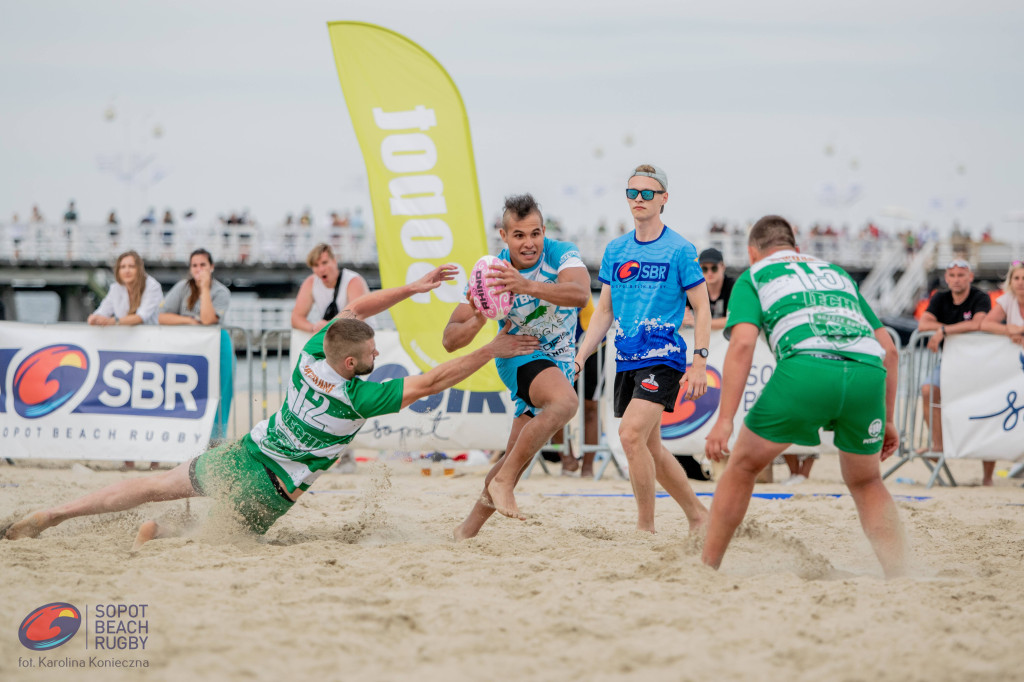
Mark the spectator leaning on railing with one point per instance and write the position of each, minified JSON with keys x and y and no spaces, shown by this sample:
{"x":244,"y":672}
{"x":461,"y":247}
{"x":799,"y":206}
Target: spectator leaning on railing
{"x":959,"y":310}
{"x":133,"y":298}
{"x":200,"y":299}
{"x":328,"y":290}
{"x":1007,"y":316}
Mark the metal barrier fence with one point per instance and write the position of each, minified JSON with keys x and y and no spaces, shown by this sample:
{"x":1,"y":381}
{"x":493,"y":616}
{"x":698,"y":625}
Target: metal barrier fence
{"x":919,"y":408}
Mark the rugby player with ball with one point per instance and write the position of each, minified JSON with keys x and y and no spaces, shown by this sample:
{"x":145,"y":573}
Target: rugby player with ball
{"x":548,"y":282}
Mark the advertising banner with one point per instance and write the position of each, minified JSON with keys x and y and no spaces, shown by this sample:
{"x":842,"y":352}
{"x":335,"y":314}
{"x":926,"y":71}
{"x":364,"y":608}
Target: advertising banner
{"x":412,"y":128}
{"x":982,"y":397}
{"x":70,"y":391}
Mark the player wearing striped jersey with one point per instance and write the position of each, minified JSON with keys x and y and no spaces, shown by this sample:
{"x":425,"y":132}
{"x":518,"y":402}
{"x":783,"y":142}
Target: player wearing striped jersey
{"x":647,"y":277}
{"x":549,"y":282}
{"x":257,"y":479}
{"x":836,"y":370}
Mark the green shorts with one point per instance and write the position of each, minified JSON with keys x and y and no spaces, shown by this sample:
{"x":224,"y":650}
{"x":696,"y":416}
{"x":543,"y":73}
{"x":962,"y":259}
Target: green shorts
{"x":240,"y":485}
{"x":807,"y":393}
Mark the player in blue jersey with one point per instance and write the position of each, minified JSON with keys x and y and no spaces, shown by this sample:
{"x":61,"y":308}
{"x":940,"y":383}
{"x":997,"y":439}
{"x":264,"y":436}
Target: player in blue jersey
{"x":647,"y":277}
{"x":549,"y":282}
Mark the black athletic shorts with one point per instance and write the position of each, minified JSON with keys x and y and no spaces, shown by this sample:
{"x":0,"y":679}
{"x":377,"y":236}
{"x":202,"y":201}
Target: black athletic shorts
{"x":525,"y":376}
{"x":656,"y":384}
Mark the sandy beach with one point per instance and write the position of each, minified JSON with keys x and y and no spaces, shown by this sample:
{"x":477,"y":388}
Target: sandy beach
{"x":361,"y":581}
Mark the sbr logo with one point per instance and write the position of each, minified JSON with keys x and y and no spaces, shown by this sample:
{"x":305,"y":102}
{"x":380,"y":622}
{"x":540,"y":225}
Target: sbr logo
{"x":627,"y":272}
{"x":154,"y":384}
{"x":48,"y":378}
{"x":641,"y":272}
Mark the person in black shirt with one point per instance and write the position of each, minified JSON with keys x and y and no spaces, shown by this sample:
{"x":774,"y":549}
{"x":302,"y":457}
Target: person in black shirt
{"x":719,"y":285}
{"x":959,"y":310}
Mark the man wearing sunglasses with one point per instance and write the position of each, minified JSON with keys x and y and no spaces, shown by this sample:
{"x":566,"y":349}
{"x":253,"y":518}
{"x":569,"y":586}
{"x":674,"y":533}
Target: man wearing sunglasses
{"x":648,"y":275}
{"x":712,"y":266}
{"x":960,"y":309}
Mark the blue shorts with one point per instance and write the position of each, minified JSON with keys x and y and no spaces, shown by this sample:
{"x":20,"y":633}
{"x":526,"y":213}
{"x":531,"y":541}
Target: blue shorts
{"x":508,"y":370}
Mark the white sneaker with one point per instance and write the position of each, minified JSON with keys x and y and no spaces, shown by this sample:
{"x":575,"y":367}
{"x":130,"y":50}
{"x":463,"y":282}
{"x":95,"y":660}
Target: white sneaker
{"x":795,"y":479}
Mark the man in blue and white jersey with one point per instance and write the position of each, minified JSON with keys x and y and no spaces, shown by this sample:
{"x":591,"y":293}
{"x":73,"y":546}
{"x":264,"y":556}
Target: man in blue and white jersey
{"x":648,"y":275}
{"x":549,"y":282}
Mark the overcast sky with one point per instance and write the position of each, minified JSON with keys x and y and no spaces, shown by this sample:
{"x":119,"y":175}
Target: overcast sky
{"x":791,"y":107}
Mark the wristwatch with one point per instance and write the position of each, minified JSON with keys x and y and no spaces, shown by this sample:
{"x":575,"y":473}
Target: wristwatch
{"x":703,"y":352}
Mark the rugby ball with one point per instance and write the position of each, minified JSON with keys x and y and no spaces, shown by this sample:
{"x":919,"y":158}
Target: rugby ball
{"x":492,"y":305}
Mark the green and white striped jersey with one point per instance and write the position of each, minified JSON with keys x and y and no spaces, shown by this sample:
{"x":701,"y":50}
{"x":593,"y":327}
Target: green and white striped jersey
{"x":320,"y":416}
{"x":806,"y":305}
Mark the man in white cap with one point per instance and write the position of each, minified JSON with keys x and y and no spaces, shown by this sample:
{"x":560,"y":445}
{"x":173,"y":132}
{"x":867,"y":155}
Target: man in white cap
{"x":959,"y":310}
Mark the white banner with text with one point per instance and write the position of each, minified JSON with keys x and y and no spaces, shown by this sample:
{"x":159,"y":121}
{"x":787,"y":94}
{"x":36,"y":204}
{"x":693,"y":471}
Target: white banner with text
{"x":982,"y":397}
{"x":71,"y":391}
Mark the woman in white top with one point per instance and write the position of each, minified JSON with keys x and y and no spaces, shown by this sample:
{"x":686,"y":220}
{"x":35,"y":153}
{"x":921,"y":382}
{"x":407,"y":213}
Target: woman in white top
{"x":328,"y":285}
{"x":1009,"y":307}
{"x":133,"y":298}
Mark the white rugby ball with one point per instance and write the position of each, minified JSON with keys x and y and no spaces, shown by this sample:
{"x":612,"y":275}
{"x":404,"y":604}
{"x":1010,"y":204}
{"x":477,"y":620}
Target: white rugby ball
{"x":492,"y":305}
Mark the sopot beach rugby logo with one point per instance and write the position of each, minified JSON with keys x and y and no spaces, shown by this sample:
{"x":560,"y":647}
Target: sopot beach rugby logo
{"x":50,"y":626}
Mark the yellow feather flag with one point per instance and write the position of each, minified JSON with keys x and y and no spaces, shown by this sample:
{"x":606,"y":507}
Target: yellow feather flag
{"x":412,"y":128}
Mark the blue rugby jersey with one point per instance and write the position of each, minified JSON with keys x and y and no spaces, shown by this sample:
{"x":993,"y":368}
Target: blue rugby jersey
{"x":648,"y":281}
{"x":554,"y":325}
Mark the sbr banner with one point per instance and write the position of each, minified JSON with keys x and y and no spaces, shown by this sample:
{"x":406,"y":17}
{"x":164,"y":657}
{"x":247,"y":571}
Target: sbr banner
{"x":451,"y":421}
{"x":684,"y":429}
{"x":71,"y":391}
{"x":414,"y":135}
{"x":982,"y":397}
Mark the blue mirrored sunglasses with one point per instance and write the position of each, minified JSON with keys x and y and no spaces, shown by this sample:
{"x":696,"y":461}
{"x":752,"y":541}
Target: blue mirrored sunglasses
{"x":646,"y":194}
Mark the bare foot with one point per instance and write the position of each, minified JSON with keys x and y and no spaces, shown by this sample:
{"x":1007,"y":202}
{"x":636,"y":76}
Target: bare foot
{"x":699,"y":526}
{"x":504,"y":501}
{"x":587,"y":471}
{"x":987,"y":482}
{"x":147,"y":532}
{"x":30,"y":526}
{"x":461,"y":533}
{"x":569,"y":464}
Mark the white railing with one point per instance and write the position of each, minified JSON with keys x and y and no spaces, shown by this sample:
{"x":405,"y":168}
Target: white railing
{"x":232,"y":244}
{"x":289,"y":244}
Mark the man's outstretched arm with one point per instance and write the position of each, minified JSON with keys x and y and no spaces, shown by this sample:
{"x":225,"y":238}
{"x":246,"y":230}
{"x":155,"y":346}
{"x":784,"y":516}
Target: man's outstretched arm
{"x":379,"y":301}
{"x":449,"y":373}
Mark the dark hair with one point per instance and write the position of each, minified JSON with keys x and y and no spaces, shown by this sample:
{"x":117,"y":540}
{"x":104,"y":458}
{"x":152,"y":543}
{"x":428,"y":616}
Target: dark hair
{"x":343,"y":337}
{"x":519,"y":206}
{"x":771,"y":232}
{"x":193,"y":288}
